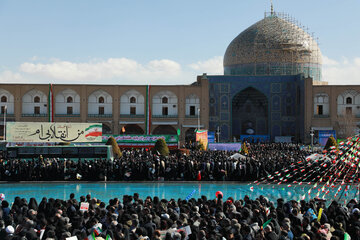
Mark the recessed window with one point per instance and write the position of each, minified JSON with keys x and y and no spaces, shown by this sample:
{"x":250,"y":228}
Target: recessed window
{"x":132,"y":110}
{"x":319,"y":110}
{"x":348,"y":100}
{"x":288,"y":110}
{"x":348,"y":110}
{"x":132,"y":100}
{"x":192,"y":110}
{"x":3,"y":109}
{"x":101,"y":111}
{"x":165,"y":111}
{"x":248,"y":108}
{"x":69,"y":100}
{"x":37,"y":110}
{"x":101,"y":100}
{"x":69,"y":110}
{"x":164,"y":100}
{"x":3,"y":99}
{"x":36,"y":99}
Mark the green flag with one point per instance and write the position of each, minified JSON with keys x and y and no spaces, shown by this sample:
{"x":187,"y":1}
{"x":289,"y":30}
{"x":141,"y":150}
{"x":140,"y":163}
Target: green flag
{"x":346,"y":236}
{"x":266,"y":223}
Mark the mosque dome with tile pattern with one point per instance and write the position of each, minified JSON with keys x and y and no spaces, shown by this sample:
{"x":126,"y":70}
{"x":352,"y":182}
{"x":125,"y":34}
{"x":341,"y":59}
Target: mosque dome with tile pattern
{"x":274,"y":45}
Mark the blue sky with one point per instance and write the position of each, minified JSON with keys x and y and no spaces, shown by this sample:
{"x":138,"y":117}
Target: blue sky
{"x":157,"y":41}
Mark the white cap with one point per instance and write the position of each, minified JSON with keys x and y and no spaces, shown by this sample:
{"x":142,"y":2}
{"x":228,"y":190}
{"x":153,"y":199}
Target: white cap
{"x":10,"y":229}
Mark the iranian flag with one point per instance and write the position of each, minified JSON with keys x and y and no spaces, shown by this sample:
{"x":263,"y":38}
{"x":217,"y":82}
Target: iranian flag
{"x":94,"y":130}
{"x":51,"y":104}
{"x":97,"y":231}
{"x":148,"y":111}
{"x":91,"y":237}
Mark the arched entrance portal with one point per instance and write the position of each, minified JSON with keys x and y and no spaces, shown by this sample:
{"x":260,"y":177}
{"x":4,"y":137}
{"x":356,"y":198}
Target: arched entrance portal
{"x":164,"y":129}
{"x":249,"y":113}
{"x":132,"y":129}
{"x":190,"y":135}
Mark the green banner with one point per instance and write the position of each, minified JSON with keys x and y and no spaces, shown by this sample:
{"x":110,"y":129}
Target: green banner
{"x":141,"y":138}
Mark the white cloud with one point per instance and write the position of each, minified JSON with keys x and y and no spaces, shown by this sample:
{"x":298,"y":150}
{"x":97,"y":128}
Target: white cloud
{"x":212,"y":66}
{"x":327,"y":61}
{"x":343,"y":72}
{"x":11,"y":77}
{"x":156,"y":72}
{"x":110,"y":70}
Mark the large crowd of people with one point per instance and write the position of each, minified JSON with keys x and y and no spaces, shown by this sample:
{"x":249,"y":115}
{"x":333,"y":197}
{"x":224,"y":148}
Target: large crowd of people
{"x":142,"y":165}
{"x":133,"y":218}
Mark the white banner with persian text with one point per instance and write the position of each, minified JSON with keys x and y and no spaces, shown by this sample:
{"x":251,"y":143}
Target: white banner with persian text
{"x":53,"y":132}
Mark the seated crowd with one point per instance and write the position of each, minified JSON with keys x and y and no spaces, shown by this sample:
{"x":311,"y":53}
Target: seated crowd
{"x":143,"y":165}
{"x":153,"y":218}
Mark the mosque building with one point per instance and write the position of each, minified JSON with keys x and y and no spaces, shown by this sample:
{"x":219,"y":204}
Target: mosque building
{"x":272,"y":88}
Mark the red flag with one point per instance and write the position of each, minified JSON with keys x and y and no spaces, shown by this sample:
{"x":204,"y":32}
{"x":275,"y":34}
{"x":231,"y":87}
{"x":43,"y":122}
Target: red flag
{"x":198,"y":176}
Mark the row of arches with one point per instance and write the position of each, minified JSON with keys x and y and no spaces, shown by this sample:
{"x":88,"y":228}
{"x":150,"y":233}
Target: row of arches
{"x":100,"y":102}
{"x":348,"y":102}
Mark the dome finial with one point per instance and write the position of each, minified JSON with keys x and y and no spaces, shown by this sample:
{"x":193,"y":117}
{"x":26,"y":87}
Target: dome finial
{"x":272,"y":8}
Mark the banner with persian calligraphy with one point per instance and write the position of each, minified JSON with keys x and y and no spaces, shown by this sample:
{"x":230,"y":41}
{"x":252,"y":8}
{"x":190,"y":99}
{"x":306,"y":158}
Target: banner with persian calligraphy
{"x":53,"y":132}
{"x":141,"y":138}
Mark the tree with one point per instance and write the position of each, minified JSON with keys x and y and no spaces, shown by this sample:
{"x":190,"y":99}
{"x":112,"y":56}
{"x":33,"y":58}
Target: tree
{"x":161,"y":147}
{"x":201,"y":146}
{"x":330,"y":142}
{"x":244,"y":149}
{"x":115,"y":147}
{"x":346,"y":124}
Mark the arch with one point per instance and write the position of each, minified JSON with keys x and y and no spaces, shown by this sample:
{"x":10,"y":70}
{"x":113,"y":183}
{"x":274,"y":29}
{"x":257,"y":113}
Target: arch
{"x":7,"y":99}
{"x":67,"y":102}
{"x":132,"y":129}
{"x":190,"y":135}
{"x":192,"y":105}
{"x":164,"y":129}
{"x":321,"y":104}
{"x":167,"y":107}
{"x":348,"y":101}
{"x":36,"y":99}
{"x":95,"y":96}
{"x":249,"y":113}
{"x":28,"y":97}
{"x":132,"y":101}
{"x":34,"y":102}
{"x":192,"y":98}
{"x":100,"y":103}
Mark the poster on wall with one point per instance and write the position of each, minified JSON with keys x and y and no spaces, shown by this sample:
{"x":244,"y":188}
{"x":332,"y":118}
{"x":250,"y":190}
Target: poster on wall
{"x":53,"y":132}
{"x":324,"y":135}
{"x":202,"y":136}
{"x":211,"y":137}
